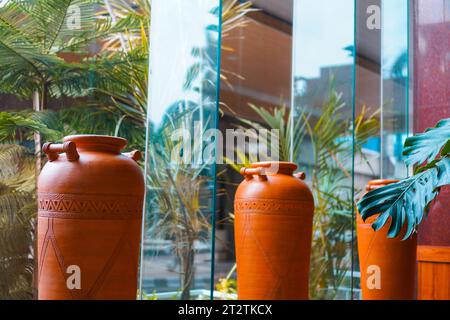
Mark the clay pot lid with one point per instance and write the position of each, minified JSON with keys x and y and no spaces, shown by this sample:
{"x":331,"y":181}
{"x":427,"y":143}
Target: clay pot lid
{"x":94,"y":141}
{"x":283,"y":166}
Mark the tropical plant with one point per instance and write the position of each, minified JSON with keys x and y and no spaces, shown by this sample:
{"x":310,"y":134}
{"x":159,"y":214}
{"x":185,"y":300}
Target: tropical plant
{"x":179,"y":195}
{"x":227,"y":285}
{"x":132,"y":68}
{"x":18,"y":126}
{"x":118,"y":10}
{"x":180,"y":192}
{"x":233,"y":12}
{"x":36,"y":39}
{"x":35,"y":35}
{"x":17,"y":222}
{"x":406,"y":201}
{"x":330,"y":138}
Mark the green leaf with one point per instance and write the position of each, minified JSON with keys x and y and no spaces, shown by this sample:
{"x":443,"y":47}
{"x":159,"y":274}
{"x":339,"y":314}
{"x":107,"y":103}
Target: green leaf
{"x":405,"y":201}
{"x":427,"y":146}
{"x":17,"y":217}
{"x":11,"y":123}
{"x":446,"y":149}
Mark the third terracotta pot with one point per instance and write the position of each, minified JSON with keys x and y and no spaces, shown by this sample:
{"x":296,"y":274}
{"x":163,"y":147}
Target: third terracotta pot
{"x":388,"y":266}
{"x":273,"y":225}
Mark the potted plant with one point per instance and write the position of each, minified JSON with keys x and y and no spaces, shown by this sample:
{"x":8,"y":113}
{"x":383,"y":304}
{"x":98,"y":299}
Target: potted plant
{"x":406,"y":201}
{"x":397,"y":208}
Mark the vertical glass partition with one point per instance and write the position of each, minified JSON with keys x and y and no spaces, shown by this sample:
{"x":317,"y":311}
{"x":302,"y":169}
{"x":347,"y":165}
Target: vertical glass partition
{"x":255,"y":93}
{"x":381,"y":93}
{"x":394,"y":114}
{"x":382,"y":76}
{"x":323,"y":68}
{"x":177,"y":249}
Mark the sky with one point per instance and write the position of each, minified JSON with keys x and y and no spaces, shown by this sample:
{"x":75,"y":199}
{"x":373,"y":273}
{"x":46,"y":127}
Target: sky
{"x":323,"y":28}
{"x":177,"y":27}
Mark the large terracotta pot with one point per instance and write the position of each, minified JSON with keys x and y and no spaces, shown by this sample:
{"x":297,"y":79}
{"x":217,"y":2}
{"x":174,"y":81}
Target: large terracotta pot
{"x":90,"y":201}
{"x":273,"y":226}
{"x":388,"y":266}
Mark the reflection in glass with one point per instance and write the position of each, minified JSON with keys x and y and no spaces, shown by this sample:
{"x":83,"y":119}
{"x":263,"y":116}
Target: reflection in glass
{"x":177,"y":246}
{"x":394,"y":87}
{"x":322,"y":101}
{"x":382,"y":77}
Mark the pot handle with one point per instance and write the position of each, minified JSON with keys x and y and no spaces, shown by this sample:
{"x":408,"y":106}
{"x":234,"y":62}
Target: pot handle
{"x":248,"y":173}
{"x":53,"y":150}
{"x":135,"y":155}
{"x":300,"y":175}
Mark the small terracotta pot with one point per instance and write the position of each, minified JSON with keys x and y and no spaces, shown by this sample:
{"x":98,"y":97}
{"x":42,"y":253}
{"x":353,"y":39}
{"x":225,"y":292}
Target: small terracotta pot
{"x":388,"y":266}
{"x":90,"y":200}
{"x":273,"y":225}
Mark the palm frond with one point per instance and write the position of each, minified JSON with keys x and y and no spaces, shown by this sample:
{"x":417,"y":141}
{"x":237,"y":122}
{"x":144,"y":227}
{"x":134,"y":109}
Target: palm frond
{"x":15,"y":124}
{"x":117,"y":10}
{"x":16,"y":22}
{"x":34,"y":34}
{"x":102,"y":29}
{"x":17,"y":170}
{"x":50,"y":17}
{"x":17,"y":213}
{"x":280,"y":121}
{"x":233,"y":14}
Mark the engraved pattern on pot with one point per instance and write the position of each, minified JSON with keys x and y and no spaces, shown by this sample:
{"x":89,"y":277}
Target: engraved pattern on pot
{"x":79,"y":206}
{"x":269,"y":206}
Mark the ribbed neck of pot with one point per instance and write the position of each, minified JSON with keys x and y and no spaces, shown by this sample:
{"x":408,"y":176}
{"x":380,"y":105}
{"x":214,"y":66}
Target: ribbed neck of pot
{"x":97,"y":143}
{"x":276,"y":167}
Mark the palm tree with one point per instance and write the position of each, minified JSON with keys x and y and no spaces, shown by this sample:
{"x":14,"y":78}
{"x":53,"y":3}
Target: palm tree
{"x":179,"y":197}
{"x":35,"y":35}
{"x":35,"y":32}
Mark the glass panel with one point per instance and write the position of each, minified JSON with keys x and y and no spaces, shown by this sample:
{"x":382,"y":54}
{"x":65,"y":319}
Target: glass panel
{"x":323,"y":110}
{"x":381,"y":92}
{"x":394,"y":90}
{"x":177,"y":250}
{"x":256,"y":77}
